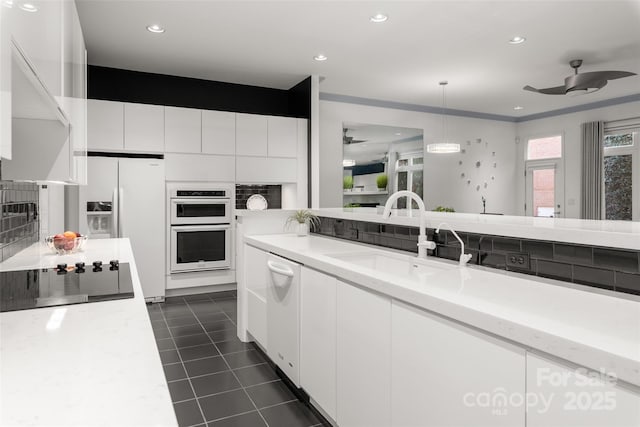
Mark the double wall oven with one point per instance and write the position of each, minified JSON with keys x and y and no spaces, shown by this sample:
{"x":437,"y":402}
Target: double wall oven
{"x":200,"y":233}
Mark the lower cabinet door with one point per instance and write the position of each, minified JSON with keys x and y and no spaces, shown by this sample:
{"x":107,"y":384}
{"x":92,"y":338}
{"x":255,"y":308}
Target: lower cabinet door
{"x":318,"y":338}
{"x":445,"y":374}
{"x":364,"y":358}
{"x":570,"y":396}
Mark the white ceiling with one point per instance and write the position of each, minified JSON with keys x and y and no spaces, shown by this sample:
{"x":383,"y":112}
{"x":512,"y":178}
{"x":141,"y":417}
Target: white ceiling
{"x":272,"y":44}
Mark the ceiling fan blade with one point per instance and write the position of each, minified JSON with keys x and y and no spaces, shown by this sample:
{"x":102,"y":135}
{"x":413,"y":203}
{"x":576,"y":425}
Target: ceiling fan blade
{"x":593,"y":79}
{"x":558,"y":90}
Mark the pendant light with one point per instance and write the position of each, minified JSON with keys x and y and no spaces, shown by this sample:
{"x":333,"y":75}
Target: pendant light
{"x":444,"y":146}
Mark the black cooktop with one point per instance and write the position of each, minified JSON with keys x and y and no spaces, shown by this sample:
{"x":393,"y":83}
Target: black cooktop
{"x":63,"y":285}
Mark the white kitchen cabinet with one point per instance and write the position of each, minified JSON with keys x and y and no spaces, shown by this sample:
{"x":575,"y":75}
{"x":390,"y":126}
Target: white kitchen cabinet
{"x":199,"y":167}
{"x":105,"y":125}
{"x":578,"y":397}
{"x":218,"y":132}
{"x":255,"y":279}
{"x":302,"y":165}
{"x":182,"y":130}
{"x":318,"y":338}
{"x":282,"y":136}
{"x":441,"y":370}
{"x":363,"y":358}
{"x":252,"y":170}
{"x":40,"y":36}
{"x":143,"y":127}
{"x":251,"y":135}
{"x":5,"y":82}
{"x":283,"y":315}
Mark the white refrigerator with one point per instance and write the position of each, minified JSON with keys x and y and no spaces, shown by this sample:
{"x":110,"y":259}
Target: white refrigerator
{"x":125,"y":197}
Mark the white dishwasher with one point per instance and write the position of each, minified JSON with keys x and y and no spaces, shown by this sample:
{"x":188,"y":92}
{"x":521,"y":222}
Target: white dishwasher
{"x":283,"y":315}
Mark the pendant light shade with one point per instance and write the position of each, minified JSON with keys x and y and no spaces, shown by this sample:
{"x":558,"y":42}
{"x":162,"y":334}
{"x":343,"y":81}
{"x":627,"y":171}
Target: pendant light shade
{"x":444,"y":146}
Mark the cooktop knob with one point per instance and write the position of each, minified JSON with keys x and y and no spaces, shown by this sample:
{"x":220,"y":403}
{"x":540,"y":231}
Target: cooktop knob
{"x":114,"y":264}
{"x":62,"y":268}
{"x":80,"y":265}
{"x":97,"y":264}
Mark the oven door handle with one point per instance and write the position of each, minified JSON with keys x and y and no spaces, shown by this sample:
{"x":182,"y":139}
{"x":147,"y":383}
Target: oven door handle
{"x":203,"y":201}
{"x":200,"y":227}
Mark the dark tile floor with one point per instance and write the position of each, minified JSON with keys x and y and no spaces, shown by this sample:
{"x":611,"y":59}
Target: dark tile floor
{"x":215,"y":379}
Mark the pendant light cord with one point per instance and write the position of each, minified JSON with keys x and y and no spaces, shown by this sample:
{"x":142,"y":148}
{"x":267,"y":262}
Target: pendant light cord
{"x":444,"y":103}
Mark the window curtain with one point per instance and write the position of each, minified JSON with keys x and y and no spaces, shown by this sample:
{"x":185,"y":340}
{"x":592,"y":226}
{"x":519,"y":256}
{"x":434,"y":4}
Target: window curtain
{"x":592,"y":156}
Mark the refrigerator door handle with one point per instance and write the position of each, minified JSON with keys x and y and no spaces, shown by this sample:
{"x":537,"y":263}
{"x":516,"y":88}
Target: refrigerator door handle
{"x":120,"y":212}
{"x":115,"y":213}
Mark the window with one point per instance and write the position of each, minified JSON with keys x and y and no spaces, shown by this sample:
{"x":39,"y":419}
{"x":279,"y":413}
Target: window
{"x":620,"y":183}
{"x":545,"y":148}
{"x":409,"y":176}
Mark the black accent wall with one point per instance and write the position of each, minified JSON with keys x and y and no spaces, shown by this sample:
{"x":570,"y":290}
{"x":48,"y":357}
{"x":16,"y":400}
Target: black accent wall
{"x":115,"y":84}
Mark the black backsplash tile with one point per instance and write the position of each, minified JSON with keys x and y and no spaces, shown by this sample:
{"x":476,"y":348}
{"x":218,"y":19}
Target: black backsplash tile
{"x":629,"y":283}
{"x":555,"y":270}
{"x":617,"y":259}
{"x":593,"y":277}
{"x":573,"y":254}
{"x":606,"y":268}
{"x":272,"y":193}
{"x":504,"y":244}
{"x":19,"y":226}
{"x":538,"y":249}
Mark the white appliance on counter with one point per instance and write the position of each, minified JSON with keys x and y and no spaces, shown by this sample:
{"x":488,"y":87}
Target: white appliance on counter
{"x":200,"y":234}
{"x":283,"y":315}
{"x":125,"y":198}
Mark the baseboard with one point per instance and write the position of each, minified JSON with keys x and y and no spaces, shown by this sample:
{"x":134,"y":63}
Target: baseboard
{"x":200,"y":290}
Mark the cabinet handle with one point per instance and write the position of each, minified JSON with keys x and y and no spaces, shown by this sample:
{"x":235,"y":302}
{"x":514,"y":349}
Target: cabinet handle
{"x":280,"y":269}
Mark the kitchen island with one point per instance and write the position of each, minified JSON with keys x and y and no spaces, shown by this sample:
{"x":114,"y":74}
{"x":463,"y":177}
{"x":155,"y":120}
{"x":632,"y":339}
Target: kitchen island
{"x":386,"y":340}
{"x":84,"y":364}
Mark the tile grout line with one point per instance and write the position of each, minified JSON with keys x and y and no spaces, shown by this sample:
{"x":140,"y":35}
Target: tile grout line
{"x":233,"y":373}
{"x":185,"y":370}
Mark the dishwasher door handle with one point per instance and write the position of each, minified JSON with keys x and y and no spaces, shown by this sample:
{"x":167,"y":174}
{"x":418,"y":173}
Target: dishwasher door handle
{"x":280,"y":269}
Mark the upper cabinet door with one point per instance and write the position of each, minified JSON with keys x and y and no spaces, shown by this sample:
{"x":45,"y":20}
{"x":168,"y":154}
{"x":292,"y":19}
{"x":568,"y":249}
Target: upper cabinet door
{"x":251,"y":135}
{"x":218,"y":132}
{"x":105,"y":125}
{"x":282,"y":136}
{"x":182,"y":130}
{"x":143,"y":127}
{"x":39,"y":34}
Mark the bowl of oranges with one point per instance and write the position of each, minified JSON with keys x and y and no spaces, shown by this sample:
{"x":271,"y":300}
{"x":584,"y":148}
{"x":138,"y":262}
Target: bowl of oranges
{"x":66,"y":243}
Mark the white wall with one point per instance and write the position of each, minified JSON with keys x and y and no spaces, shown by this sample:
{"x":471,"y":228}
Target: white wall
{"x":443,"y":185}
{"x":569,"y":126}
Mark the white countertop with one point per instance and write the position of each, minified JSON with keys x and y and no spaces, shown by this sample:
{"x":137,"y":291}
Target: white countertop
{"x":616,"y":234}
{"x":266,"y":212}
{"x":592,"y":329}
{"x":99,"y":367}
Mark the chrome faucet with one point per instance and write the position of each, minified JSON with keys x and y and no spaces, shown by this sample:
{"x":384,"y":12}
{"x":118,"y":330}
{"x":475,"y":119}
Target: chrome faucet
{"x":423,"y":243}
{"x":464,"y":258}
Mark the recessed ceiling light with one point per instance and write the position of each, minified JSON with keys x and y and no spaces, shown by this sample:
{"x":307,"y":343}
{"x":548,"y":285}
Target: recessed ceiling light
{"x":378,"y":17}
{"x":320,"y":57}
{"x":517,"y":107}
{"x":28,"y":7}
{"x":517,"y":40}
{"x":155,"y":28}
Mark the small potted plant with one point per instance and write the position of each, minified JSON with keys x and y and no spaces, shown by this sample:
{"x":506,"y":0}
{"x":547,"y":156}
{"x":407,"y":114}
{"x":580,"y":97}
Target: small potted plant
{"x":347,"y":183}
{"x":381,"y":181}
{"x":303,"y":220}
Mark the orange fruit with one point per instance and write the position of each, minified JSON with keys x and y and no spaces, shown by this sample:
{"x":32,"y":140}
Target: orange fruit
{"x":69,"y":234}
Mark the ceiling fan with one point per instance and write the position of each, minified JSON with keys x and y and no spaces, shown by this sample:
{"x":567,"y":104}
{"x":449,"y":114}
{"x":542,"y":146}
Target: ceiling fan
{"x":349,"y":139}
{"x":581,"y":83}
